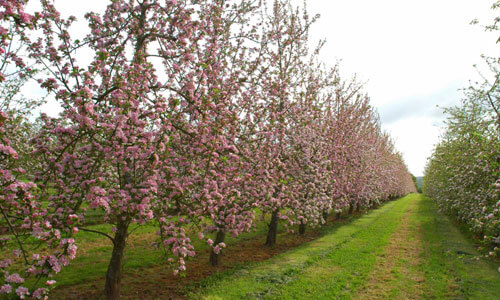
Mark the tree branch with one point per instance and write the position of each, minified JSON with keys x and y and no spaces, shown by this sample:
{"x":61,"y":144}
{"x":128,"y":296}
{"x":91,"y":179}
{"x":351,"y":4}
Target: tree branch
{"x":98,"y":232}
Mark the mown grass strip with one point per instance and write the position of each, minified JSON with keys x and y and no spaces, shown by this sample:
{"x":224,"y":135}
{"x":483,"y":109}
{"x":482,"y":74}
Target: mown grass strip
{"x":453,"y":267}
{"x":397,"y":274}
{"x":336,"y":265}
{"x":332,"y":266}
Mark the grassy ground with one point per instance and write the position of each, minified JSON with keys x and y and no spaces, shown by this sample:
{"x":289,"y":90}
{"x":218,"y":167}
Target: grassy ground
{"x":333,"y":265}
{"x":404,"y":250}
{"x":452,"y":266}
{"x":147,"y":276}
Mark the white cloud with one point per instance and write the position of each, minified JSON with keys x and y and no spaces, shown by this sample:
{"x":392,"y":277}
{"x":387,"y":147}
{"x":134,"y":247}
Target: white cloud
{"x":414,"y":55}
{"x":415,"y":138}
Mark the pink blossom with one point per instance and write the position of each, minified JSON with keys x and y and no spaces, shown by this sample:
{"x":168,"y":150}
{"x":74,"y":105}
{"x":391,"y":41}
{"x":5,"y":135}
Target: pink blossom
{"x":39,"y":293}
{"x":50,"y":282}
{"x":6,"y":289}
{"x":14,"y":278}
{"x":72,"y":251}
{"x":22,"y":292}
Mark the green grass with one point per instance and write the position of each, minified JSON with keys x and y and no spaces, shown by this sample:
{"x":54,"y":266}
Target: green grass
{"x":452,"y":265}
{"x":93,"y":262}
{"x":91,"y":265}
{"x":342,"y":263}
{"x":334,"y":265}
{"x":338,"y":265}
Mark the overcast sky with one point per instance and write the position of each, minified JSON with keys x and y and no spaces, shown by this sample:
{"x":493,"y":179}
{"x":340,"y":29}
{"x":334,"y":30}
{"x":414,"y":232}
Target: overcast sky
{"x":413,"y":55}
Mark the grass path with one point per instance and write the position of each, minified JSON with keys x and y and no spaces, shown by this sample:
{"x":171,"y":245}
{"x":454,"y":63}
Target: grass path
{"x":147,"y":276}
{"x":396,"y":274}
{"x":403,"y":250}
{"x":331,"y":266}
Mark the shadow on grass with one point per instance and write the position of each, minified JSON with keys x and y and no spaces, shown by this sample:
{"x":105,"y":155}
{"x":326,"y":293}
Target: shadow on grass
{"x":454,"y":268}
{"x":146,"y":276}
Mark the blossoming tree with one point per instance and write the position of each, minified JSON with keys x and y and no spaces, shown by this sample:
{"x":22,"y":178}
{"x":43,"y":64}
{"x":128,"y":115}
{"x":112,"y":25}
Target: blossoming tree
{"x":188,"y":114}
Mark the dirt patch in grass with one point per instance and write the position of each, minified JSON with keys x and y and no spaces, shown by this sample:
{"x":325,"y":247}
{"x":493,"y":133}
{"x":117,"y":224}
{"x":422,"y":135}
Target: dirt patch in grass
{"x":158,"y":282}
{"x":396,"y":274}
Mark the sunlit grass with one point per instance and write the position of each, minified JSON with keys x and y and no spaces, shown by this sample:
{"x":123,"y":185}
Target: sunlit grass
{"x":453,"y":267}
{"x":340,"y":264}
{"x":335,"y":264}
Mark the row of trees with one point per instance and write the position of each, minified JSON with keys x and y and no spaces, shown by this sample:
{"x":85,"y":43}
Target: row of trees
{"x":463,"y":173}
{"x":185,"y":114}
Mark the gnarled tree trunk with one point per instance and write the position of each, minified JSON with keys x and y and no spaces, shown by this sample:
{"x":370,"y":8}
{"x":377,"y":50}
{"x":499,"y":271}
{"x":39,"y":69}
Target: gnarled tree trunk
{"x":273,"y":229}
{"x":302,"y":228}
{"x":114,"y":273}
{"x":325,"y":216}
{"x":351,"y":208}
{"x":215,"y":257}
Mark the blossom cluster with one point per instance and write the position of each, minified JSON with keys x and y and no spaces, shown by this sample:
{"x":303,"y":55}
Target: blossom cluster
{"x":192,"y":115}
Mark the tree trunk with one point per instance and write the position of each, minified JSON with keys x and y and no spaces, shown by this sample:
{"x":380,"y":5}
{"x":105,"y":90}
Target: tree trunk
{"x":215,"y":257}
{"x":302,"y":228}
{"x":114,"y":273}
{"x":325,"y":216}
{"x":358,"y":207}
{"x":339,"y":215}
{"x":273,"y":229}
{"x":351,"y":208}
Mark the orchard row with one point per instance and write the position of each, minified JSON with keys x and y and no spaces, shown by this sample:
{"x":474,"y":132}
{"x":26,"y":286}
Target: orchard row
{"x":463,"y":173}
{"x":193,"y":115}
